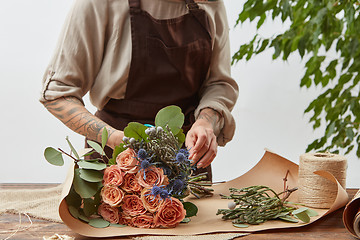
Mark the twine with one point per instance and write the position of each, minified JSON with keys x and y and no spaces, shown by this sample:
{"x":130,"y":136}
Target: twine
{"x":314,"y":190}
{"x":20,"y":228}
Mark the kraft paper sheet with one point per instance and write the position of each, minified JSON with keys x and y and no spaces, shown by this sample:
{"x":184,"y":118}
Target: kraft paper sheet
{"x":269,"y":171}
{"x":351,"y":215}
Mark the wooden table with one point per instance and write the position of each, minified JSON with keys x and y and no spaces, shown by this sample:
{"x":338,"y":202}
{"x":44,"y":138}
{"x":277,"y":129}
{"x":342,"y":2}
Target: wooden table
{"x":330,"y":227}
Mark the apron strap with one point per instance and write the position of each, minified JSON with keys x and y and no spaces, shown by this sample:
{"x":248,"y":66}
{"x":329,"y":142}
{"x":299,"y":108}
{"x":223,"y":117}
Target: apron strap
{"x":134,"y":4}
{"x":191,"y":5}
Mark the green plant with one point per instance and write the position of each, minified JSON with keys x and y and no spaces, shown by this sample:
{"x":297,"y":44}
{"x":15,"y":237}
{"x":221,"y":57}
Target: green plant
{"x":327,"y":35}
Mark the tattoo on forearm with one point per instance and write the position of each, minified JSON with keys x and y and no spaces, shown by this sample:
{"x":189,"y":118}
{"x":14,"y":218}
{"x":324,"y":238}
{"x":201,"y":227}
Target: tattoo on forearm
{"x":77,"y":118}
{"x":212,"y":117}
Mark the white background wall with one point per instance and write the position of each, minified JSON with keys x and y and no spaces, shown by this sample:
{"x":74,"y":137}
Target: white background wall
{"x":269,"y":112}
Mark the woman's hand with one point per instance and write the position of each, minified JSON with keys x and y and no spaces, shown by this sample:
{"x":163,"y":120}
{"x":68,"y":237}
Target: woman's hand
{"x":201,"y":140}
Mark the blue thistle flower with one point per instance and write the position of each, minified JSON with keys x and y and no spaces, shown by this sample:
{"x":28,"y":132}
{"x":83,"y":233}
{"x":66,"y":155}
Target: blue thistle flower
{"x":145,"y":164}
{"x":180,"y":157}
{"x":167,"y":171}
{"x":142,"y":154}
{"x":164,"y":194}
{"x":177,"y":186}
{"x":156,"y":190}
{"x":185,"y":152}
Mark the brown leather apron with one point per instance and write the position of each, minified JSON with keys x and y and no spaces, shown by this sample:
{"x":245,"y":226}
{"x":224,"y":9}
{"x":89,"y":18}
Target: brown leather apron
{"x":170,"y":61}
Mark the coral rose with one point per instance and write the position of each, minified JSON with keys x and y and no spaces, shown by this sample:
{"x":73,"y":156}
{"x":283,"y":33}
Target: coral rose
{"x":112,"y":195}
{"x":132,"y":205}
{"x":171,"y":212}
{"x":127,"y":161}
{"x":144,"y":221}
{"x":109,"y":213}
{"x":125,"y":219}
{"x":113,"y":176}
{"x":151,"y":203}
{"x":130,"y":184}
{"x":153,"y":176}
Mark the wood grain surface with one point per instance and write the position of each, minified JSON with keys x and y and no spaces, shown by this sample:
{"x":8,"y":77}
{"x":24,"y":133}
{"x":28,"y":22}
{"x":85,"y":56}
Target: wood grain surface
{"x":330,"y":227}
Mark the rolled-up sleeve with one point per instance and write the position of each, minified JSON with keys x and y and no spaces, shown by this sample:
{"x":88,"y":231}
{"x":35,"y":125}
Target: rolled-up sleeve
{"x":220,"y":91}
{"x":78,"y":55}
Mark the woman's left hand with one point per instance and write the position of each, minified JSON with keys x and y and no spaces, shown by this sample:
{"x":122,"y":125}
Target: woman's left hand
{"x":201,"y":140}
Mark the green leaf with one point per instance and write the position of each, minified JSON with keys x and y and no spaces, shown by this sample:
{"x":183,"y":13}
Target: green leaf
{"x":89,"y":207}
{"x":99,"y":223}
{"x":171,"y":116}
{"x":191,"y":209}
{"x":91,"y":165}
{"x":311,"y":212}
{"x":117,"y":225}
{"x":84,"y":188}
{"x":53,"y":156}
{"x":91,"y":175}
{"x":186,"y":220}
{"x":136,"y":130}
{"x":73,"y":199}
{"x":238,"y":225}
{"x":84,"y":218}
{"x":287,"y":218}
{"x":74,"y":211}
{"x":181,"y":137}
{"x":85,"y":152}
{"x":301,"y":214}
{"x":104,"y":137}
{"x":72,"y":148}
{"x":118,"y":150}
{"x":96,"y":147}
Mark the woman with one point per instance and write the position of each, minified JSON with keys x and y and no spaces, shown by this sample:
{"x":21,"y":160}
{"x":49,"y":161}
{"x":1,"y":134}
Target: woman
{"x":134,"y":58}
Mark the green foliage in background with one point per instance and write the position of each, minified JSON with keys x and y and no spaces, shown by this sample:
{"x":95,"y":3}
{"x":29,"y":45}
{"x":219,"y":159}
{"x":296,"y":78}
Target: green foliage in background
{"x":326,"y":34}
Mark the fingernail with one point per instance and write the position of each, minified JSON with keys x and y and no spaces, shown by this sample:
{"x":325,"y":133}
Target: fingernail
{"x":199,"y":165}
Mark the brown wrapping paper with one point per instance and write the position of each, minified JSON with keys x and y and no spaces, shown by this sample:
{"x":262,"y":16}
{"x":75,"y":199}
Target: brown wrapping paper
{"x":269,"y":171}
{"x":351,"y":215}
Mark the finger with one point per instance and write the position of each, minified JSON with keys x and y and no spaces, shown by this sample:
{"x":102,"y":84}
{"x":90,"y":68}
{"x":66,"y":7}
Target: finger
{"x":209,"y":155}
{"x":189,"y":143}
{"x":201,"y":147}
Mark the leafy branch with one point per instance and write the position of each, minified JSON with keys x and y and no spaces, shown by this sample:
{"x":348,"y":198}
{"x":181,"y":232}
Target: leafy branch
{"x":326,"y":34}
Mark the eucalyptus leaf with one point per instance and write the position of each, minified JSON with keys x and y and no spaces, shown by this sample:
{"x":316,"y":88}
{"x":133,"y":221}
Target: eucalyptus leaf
{"x":53,"y":156}
{"x":92,"y":165}
{"x":74,"y":211}
{"x":73,"y":199}
{"x":99,"y":223}
{"x":84,"y":151}
{"x":84,"y":218}
{"x":118,"y":150}
{"x":136,"y":130}
{"x":89,"y":207}
{"x":72,"y":148}
{"x":181,"y":137}
{"x":91,"y":175}
{"x":117,"y":225}
{"x":186,"y":220}
{"x":84,"y":188}
{"x":191,"y":209}
{"x":238,"y":225}
{"x":172,"y":117}
{"x":96,"y":147}
{"x":104,"y":137}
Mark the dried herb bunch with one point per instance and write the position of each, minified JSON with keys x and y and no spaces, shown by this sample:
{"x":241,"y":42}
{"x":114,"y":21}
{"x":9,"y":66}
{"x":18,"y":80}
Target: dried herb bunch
{"x":255,"y":204}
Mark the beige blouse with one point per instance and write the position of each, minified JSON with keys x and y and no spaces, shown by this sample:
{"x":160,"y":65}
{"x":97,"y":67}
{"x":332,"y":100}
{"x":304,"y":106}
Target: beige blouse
{"x":93,"y":55}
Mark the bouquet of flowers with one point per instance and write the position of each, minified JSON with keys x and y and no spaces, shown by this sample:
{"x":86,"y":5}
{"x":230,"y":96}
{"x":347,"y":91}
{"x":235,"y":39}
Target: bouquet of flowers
{"x":144,"y":183}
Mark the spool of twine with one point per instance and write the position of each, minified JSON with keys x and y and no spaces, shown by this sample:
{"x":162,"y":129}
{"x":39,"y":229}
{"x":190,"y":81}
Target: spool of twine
{"x":314,"y":190}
